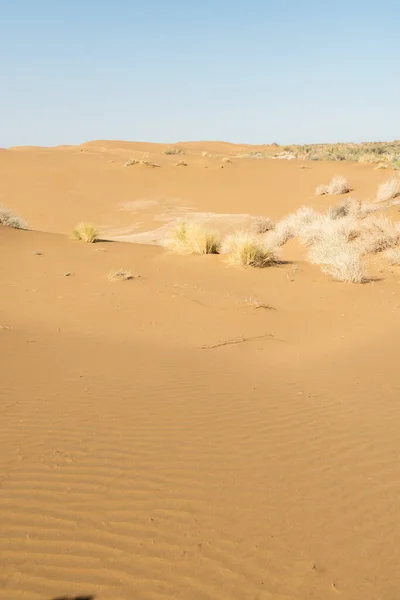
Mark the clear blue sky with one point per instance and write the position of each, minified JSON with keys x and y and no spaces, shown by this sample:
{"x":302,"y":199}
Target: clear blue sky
{"x":255,"y":71}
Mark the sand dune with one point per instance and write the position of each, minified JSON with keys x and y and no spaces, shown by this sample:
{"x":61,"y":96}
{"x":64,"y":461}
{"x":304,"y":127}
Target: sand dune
{"x":164,"y":438}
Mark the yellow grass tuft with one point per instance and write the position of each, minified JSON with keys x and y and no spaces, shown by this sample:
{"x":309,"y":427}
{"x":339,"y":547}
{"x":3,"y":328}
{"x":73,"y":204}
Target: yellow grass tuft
{"x":85,"y":232}
{"x":192,"y":239}
{"x":248,"y":249}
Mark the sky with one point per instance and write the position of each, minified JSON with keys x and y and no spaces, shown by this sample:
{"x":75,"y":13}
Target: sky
{"x":248,"y":71}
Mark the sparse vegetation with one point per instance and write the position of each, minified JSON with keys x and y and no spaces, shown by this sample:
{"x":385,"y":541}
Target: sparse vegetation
{"x":290,"y":227}
{"x":262,"y":225}
{"x":338,"y":185}
{"x":173,"y":151}
{"x":324,"y":229}
{"x":393,"y":256}
{"x":7,"y":219}
{"x":120,"y":275}
{"x":226,"y":160}
{"x":181,"y":163}
{"x":377,"y":233}
{"x":192,"y":239}
{"x":85,"y":232}
{"x":143,"y":162}
{"x":351,"y":207}
{"x":248,"y":249}
{"x":340,"y":260}
{"x":388,"y":190}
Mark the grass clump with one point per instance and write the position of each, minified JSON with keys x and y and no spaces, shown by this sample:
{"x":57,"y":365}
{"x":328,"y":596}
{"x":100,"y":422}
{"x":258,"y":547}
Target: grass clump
{"x":377,"y":234}
{"x":262,"y":225}
{"x":192,"y":239}
{"x":393,"y":256}
{"x":247,"y":249}
{"x":338,"y":185}
{"x":290,"y":226}
{"x":340,"y":260}
{"x":173,"y":151}
{"x":120,"y":275}
{"x":324,"y":229}
{"x":7,"y":219}
{"x":388,"y":190}
{"x":85,"y":232}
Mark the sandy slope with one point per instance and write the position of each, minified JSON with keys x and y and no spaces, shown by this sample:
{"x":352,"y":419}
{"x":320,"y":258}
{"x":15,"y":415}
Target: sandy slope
{"x":161,"y":438}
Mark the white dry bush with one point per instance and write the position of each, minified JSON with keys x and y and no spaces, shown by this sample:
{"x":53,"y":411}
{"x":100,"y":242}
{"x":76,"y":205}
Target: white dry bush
{"x":322,"y":190}
{"x":377,"y":233}
{"x":324,"y":229}
{"x":340,"y":260}
{"x":351,"y":207}
{"x":388,"y":190}
{"x":393,"y":256}
{"x":290,"y":226}
{"x":7,"y":219}
{"x":247,"y":249}
{"x":192,"y":239}
{"x":338,"y":185}
{"x":262,"y":225}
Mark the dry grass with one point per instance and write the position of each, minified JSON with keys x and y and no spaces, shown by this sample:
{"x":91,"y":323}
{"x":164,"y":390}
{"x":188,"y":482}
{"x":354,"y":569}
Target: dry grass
{"x":173,"y":151}
{"x":7,"y":219}
{"x":340,"y":260}
{"x":324,"y":229}
{"x":192,"y":239}
{"x":351,"y":207}
{"x":247,"y":249}
{"x":262,"y":225}
{"x":377,"y":233}
{"x":120,"y":275}
{"x":388,"y":190}
{"x":85,"y":232}
{"x":143,"y":162}
{"x":290,"y":226}
{"x":338,"y":185}
{"x":393,"y":256}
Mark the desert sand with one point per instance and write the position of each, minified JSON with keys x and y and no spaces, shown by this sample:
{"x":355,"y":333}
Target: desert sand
{"x":199,"y":431}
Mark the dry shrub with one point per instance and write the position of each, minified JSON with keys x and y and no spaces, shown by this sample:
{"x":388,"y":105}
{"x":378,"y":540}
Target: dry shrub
{"x":393,"y":256}
{"x":351,"y":207}
{"x":262,"y":225}
{"x":192,"y":239}
{"x":120,"y":275}
{"x":85,"y":232}
{"x":143,"y":162}
{"x":290,"y":226}
{"x":377,"y":233}
{"x":226,"y":160}
{"x":181,"y":163}
{"x":324,"y":229}
{"x":247,"y":249}
{"x":338,"y":185}
{"x":340,"y":260}
{"x":173,"y":151}
{"x":388,"y":190}
{"x":7,"y":219}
